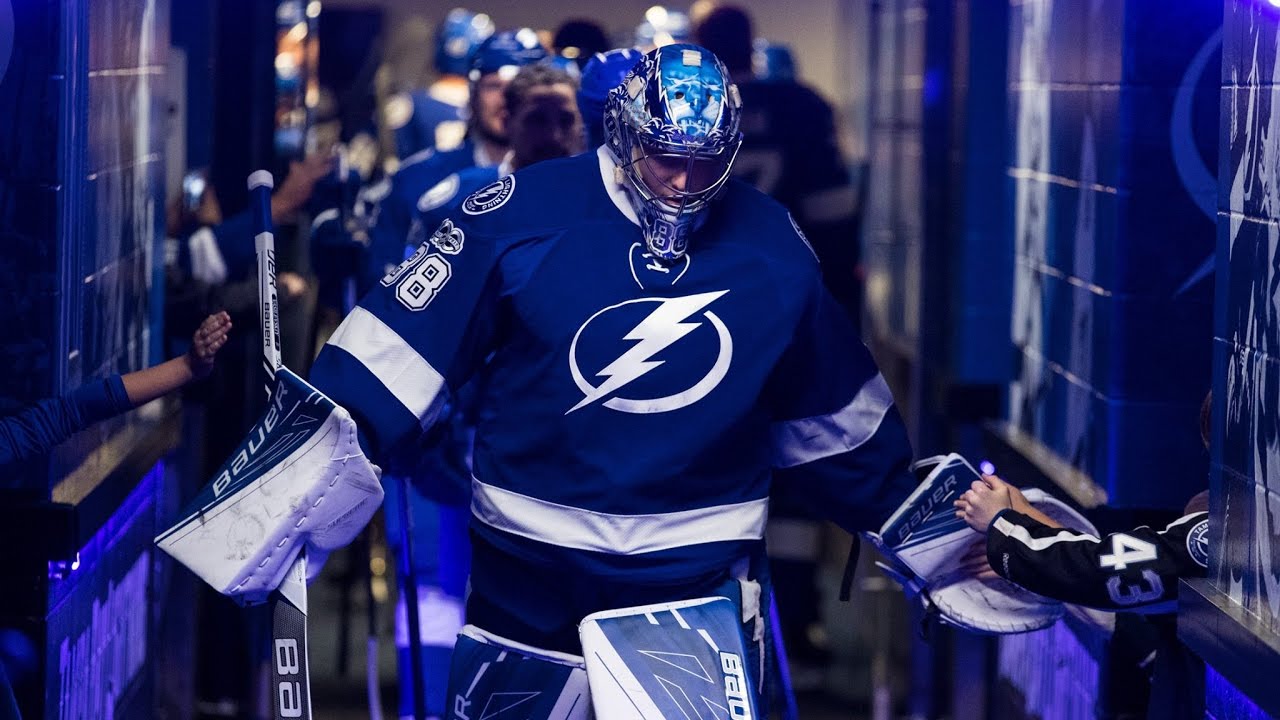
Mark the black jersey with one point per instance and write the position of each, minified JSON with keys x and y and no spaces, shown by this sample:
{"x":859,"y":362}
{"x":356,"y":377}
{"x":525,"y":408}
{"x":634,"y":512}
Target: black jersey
{"x":1132,"y":571}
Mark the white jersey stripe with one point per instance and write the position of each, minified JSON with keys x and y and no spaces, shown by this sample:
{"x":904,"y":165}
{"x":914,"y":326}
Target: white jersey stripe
{"x":796,"y":442}
{"x":405,"y":373}
{"x":572,"y":527}
{"x":1019,"y":533}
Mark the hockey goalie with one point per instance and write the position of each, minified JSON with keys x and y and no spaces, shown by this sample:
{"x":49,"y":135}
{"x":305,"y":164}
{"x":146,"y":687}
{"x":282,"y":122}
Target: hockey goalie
{"x":657,"y":356}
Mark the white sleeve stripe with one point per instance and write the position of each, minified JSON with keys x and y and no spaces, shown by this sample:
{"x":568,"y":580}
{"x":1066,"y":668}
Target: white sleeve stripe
{"x":1176,"y":523}
{"x":1022,"y":535}
{"x":1186,"y":519}
{"x":796,"y":442}
{"x":405,"y":373}
{"x":207,"y":264}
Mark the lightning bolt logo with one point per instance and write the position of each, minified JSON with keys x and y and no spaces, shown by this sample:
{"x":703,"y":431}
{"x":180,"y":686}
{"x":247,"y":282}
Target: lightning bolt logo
{"x":659,"y":330}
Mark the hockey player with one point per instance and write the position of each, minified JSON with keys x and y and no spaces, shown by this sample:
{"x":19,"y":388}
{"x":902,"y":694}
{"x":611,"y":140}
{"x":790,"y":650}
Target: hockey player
{"x":602,"y":73}
{"x":390,"y":208}
{"x":658,"y":352}
{"x":543,"y":123}
{"x":368,"y":239}
{"x":492,"y":67}
{"x":434,"y":117}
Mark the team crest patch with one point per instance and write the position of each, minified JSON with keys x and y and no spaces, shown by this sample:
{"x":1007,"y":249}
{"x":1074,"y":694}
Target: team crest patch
{"x":490,"y":198}
{"x":448,"y":238}
{"x":439,"y":194}
{"x":1198,"y":543}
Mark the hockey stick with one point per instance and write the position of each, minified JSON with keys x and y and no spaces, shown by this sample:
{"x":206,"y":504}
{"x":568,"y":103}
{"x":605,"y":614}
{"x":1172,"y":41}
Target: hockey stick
{"x":409,"y":590}
{"x":781,"y":664}
{"x":290,"y":670}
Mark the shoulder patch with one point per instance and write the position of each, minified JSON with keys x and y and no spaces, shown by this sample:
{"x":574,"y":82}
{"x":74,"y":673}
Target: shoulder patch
{"x":441,"y":193}
{"x":1198,"y":543}
{"x":398,"y":110}
{"x":448,"y":238}
{"x":491,"y":197}
{"x":800,"y":233}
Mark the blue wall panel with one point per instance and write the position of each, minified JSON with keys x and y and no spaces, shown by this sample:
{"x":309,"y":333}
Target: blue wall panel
{"x":1246,"y":462}
{"x":1111,"y":170}
{"x":1245,"y":552}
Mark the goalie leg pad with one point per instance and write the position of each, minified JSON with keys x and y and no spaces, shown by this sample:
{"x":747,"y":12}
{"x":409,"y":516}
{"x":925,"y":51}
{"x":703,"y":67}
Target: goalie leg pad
{"x":671,"y":660}
{"x":299,"y":480}
{"x":492,"y":675}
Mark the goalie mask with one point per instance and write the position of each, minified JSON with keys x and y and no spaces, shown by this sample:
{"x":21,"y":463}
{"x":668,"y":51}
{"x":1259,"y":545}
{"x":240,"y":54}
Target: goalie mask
{"x":672,"y":127}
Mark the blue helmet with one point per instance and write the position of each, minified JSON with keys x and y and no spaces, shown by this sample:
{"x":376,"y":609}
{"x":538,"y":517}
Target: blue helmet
{"x":567,"y":64}
{"x":509,"y":48}
{"x":603,"y":72}
{"x":672,"y":126}
{"x":772,"y":62}
{"x":457,"y":39}
{"x":662,"y":26}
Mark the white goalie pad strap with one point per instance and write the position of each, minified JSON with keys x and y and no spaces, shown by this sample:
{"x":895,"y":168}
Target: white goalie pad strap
{"x":299,"y":480}
{"x":483,"y":636}
{"x":670,"y":660}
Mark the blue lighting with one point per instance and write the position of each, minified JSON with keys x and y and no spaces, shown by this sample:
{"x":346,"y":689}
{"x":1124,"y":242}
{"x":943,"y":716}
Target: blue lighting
{"x":985,"y":466}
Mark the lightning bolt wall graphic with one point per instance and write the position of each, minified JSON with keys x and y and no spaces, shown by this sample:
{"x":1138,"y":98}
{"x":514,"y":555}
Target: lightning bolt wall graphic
{"x":659,"y":330}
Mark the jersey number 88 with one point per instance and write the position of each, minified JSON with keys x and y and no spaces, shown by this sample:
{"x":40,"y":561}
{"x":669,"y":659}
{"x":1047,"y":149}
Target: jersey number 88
{"x":419,"y":278}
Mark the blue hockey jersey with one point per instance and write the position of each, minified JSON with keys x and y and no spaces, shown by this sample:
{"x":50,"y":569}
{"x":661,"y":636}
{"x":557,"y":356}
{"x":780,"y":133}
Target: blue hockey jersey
{"x":635,"y":416}
{"x":420,"y":120}
{"x":392,"y":218}
{"x":436,"y":204}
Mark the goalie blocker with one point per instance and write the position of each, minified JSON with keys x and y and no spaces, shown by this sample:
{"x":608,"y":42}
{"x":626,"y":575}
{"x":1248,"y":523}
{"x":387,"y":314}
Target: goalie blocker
{"x":299,"y":480}
{"x":935,"y":555}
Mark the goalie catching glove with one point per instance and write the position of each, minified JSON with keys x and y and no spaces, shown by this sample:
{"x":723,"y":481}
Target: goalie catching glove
{"x":300,"y":480}
{"x":936,"y":556}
